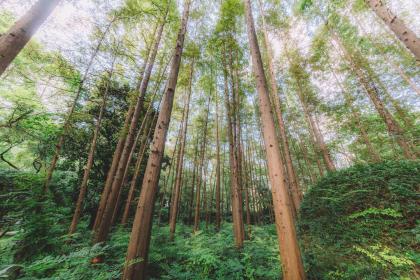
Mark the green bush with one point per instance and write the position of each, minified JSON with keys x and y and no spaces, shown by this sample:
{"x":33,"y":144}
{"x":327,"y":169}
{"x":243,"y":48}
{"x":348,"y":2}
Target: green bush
{"x":360,"y":223}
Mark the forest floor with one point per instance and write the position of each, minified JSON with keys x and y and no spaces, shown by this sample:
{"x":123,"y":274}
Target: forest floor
{"x":357,"y":223}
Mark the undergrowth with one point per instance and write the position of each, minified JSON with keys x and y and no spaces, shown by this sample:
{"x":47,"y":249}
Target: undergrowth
{"x":358,"y":223}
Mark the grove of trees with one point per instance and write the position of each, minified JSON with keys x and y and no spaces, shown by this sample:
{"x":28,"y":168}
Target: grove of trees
{"x":194,"y":139}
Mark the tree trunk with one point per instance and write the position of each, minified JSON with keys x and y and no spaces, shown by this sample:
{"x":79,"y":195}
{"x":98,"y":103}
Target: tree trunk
{"x":195,"y":171}
{"x":406,"y":78}
{"x":15,"y":39}
{"x":105,"y":224}
{"x":238,"y":226}
{"x":372,"y":91}
{"x":294,"y":183}
{"x":111,"y":172}
{"x":405,"y":34}
{"x":170,"y":174}
{"x":137,"y":169}
{"x":217,"y":165}
{"x":88,"y":167}
{"x":138,"y":246}
{"x":289,"y":248}
{"x":180,"y":162}
{"x":357,"y":120}
{"x":200,"y":173}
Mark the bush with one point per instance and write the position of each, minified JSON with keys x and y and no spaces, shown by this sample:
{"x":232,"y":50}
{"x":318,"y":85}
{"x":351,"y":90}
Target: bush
{"x":360,"y":223}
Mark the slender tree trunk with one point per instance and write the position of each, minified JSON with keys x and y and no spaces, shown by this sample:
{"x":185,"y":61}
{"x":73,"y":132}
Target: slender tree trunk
{"x":88,"y":167}
{"x":138,"y":246}
{"x":170,"y":174}
{"x":137,"y":169}
{"x":111,"y":172}
{"x":201,"y":172}
{"x":180,"y":163}
{"x":117,"y":155}
{"x":406,"y":78}
{"x":217,"y":166}
{"x":357,"y":120}
{"x":105,"y":224}
{"x":289,"y":248}
{"x":405,"y":34}
{"x":238,"y":226}
{"x":247,"y":203}
{"x":195,"y":171}
{"x":294,"y":183}
{"x":372,"y":91}
{"x":66,"y":124}
{"x":15,"y":39}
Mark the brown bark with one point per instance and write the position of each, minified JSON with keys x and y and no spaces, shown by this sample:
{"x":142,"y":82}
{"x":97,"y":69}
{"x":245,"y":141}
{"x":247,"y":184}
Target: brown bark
{"x":289,"y":248}
{"x":137,"y":169}
{"x":238,"y":226}
{"x":83,"y":185}
{"x":194,"y":176}
{"x":138,"y":246}
{"x":405,"y":34}
{"x":180,"y":162}
{"x":111,"y":172}
{"x":294,"y":183}
{"x":142,"y":149}
{"x":170,"y":174}
{"x":218,"y":219}
{"x":105,"y":224}
{"x":201,"y":172}
{"x":15,"y":39}
{"x":247,"y":203}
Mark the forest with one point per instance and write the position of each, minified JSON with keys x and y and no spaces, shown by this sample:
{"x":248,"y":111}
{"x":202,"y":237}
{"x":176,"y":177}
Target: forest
{"x":209,"y":139}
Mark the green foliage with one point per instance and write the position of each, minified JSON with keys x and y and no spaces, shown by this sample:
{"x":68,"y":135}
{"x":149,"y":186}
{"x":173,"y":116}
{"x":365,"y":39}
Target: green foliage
{"x":360,"y":223}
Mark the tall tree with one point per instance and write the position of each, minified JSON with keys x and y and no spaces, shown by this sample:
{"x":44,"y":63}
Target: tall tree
{"x":289,"y":248}
{"x":405,"y":34}
{"x":138,"y":246}
{"x":105,"y":224}
{"x":180,"y":162}
{"x":92,"y":150}
{"x":291,"y":174}
{"x":15,"y":39}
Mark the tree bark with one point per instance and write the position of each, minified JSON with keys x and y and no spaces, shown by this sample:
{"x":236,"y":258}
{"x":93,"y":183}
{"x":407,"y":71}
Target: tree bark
{"x":105,"y":224}
{"x":138,"y":246}
{"x":218,"y":219}
{"x":15,"y":39}
{"x":201,"y":172}
{"x":137,"y":169}
{"x":289,"y":248}
{"x":294,"y":183}
{"x":88,"y":167}
{"x":180,"y":162}
{"x":237,"y":216}
{"x":405,"y":34}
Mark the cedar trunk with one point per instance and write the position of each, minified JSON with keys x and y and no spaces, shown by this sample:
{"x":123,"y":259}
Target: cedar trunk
{"x":88,"y":167}
{"x":180,"y":162}
{"x":15,"y":39}
{"x":138,"y":246}
{"x":405,"y":34}
{"x":289,"y":248}
{"x":104,"y":227}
